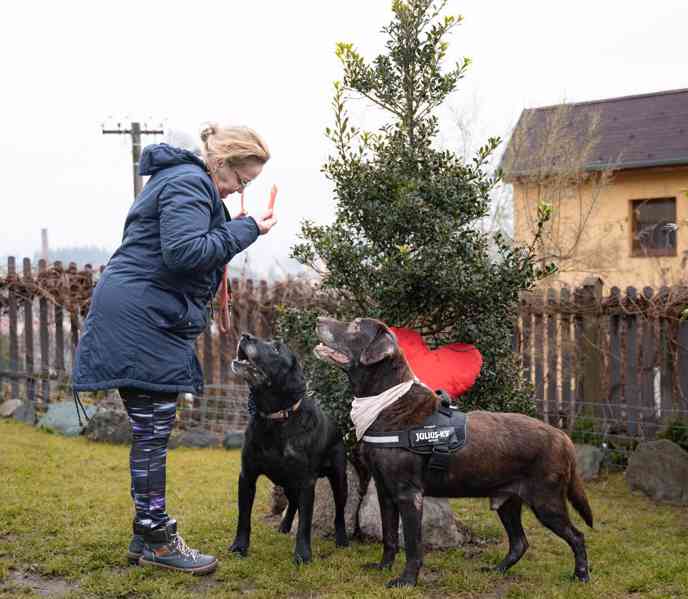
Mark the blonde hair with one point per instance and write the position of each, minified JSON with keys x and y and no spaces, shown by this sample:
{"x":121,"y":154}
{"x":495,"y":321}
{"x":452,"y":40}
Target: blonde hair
{"x":233,"y":145}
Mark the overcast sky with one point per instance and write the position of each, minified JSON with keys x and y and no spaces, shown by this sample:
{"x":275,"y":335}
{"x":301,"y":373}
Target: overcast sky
{"x":269,"y":64}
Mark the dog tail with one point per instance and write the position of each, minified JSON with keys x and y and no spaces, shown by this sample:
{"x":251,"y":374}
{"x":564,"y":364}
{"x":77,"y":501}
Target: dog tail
{"x":577,"y":496}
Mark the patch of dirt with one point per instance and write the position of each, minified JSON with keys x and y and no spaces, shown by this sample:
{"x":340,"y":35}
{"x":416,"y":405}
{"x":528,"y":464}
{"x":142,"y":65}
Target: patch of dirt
{"x":499,"y":591}
{"x":43,"y":586}
{"x":273,"y":520}
{"x":7,"y":537}
{"x":430,"y":576}
{"x":474,"y":545}
{"x":246,"y":588}
{"x":471,"y":538}
{"x":206,"y":585}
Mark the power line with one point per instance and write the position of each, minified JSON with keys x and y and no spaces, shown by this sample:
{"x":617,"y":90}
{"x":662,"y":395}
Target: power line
{"x":135,"y":132}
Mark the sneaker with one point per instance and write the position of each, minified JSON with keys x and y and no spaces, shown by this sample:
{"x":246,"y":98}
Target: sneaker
{"x":163,"y":547}
{"x":135,"y":550}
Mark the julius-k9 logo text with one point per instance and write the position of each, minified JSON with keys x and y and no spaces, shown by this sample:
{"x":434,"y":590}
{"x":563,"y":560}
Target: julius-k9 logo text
{"x":433,"y":436}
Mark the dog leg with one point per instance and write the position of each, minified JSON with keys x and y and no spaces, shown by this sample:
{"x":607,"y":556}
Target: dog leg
{"x":288,"y":520}
{"x":247,"y":493}
{"x":411,"y":509}
{"x":302,"y":552}
{"x":554,"y":516}
{"x":389,"y":512}
{"x":510,"y":515}
{"x":338,"y":482}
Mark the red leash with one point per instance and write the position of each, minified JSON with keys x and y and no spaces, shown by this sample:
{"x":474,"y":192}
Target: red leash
{"x":224,"y":294}
{"x":224,"y":299}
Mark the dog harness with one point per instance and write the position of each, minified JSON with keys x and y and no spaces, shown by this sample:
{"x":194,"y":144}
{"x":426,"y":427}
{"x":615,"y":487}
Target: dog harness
{"x":441,"y":434}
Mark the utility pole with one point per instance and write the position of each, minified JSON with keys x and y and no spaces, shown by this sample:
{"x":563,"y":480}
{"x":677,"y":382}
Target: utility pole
{"x":44,"y":245}
{"x":136,"y":132}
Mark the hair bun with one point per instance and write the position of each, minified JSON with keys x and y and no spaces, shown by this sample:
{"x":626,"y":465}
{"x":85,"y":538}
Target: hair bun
{"x":208,"y":130}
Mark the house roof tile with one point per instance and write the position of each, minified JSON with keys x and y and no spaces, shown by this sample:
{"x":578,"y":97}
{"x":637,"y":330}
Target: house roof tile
{"x":638,"y":131}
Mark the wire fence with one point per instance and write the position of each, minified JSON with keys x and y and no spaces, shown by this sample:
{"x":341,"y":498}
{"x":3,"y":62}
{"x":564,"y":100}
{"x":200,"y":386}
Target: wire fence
{"x":612,"y":370}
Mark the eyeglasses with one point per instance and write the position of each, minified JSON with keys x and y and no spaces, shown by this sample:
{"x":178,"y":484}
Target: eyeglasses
{"x":243,"y":183}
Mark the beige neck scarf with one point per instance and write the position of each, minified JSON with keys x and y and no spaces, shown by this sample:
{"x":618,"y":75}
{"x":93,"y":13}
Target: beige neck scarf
{"x":364,"y":410}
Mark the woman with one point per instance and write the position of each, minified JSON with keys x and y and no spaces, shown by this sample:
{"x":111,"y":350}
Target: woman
{"x":151,"y":303}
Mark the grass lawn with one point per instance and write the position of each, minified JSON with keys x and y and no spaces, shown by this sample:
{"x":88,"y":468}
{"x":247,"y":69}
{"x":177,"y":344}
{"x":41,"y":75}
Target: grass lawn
{"x":65,"y":518}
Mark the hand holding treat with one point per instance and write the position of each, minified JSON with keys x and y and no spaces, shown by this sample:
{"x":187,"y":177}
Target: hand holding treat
{"x":267,"y":221}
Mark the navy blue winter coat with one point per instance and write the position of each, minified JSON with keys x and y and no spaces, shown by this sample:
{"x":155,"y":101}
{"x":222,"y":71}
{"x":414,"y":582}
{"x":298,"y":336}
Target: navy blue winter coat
{"x":151,"y":301}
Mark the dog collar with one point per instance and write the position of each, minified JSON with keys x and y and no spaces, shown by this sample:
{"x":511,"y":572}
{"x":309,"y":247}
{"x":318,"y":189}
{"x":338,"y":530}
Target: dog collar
{"x":281,"y":414}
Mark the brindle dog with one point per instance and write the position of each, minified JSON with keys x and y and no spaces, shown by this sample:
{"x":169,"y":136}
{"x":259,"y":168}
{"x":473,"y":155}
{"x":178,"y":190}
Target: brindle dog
{"x":511,"y":458}
{"x":290,"y":440}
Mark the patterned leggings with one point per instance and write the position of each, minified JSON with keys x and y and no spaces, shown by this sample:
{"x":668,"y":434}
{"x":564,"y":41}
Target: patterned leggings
{"x":152,"y":416}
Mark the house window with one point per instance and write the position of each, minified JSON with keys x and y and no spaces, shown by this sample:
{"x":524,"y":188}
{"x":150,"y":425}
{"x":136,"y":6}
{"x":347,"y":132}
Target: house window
{"x":653,"y":227}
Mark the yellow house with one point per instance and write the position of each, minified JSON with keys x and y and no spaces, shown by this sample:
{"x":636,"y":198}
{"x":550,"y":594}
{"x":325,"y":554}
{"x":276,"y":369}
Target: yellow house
{"x":615,"y":173}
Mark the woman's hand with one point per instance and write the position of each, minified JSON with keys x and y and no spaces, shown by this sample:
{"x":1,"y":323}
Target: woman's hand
{"x":266,"y":222}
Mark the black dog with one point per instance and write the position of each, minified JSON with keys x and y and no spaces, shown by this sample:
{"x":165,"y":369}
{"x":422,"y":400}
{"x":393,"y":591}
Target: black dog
{"x":511,"y":458}
{"x":290,"y":440}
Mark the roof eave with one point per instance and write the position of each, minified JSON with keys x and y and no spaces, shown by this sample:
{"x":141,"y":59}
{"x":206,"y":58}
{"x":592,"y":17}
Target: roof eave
{"x":599,"y":166}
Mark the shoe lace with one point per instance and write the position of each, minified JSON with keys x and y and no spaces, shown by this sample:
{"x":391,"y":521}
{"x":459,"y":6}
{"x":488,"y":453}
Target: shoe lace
{"x":181,"y":546}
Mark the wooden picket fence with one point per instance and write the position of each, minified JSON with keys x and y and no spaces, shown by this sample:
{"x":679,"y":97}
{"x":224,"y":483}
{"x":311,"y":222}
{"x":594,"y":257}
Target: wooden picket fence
{"x":222,"y":407}
{"x":614,"y":366}
{"x":41,"y":315}
{"x":39,"y":329}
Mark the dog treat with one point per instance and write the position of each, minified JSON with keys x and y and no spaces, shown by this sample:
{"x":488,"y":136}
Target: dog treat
{"x":273,"y":195}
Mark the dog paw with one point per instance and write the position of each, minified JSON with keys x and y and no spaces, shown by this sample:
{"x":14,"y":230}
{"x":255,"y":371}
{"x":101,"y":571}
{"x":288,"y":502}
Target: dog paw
{"x":582,"y":576}
{"x":239,"y":548}
{"x":400,"y":582}
{"x":341,"y":540}
{"x":301,"y":558}
{"x":284,"y":529}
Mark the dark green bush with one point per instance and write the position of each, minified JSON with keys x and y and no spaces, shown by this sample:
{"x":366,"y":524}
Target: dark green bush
{"x":676,"y":431}
{"x":405,"y":245}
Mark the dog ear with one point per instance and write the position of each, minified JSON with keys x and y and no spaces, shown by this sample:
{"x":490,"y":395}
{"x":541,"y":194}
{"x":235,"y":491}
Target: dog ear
{"x":381,"y":347}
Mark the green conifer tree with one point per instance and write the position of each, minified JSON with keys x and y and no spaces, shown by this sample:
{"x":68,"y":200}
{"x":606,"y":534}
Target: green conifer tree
{"x":405,"y":245}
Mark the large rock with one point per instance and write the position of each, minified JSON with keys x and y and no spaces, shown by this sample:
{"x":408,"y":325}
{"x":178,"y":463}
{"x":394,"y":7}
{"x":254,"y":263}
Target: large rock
{"x":110,"y":423}
{"x":62,"y":418}
{"x":439,"y":523}
{"x":233,"y":440}
{"x":194,"y":438}
{"x":9,"y":407}
{"x":660,"y":470}
{"x":323,"y":508}
{"x":278,"y":501}
{"x":588,"y":461}
{"x":26,"y":412}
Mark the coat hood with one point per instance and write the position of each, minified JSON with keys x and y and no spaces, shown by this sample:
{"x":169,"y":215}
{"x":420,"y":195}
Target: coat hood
{"x":157,"y":157}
